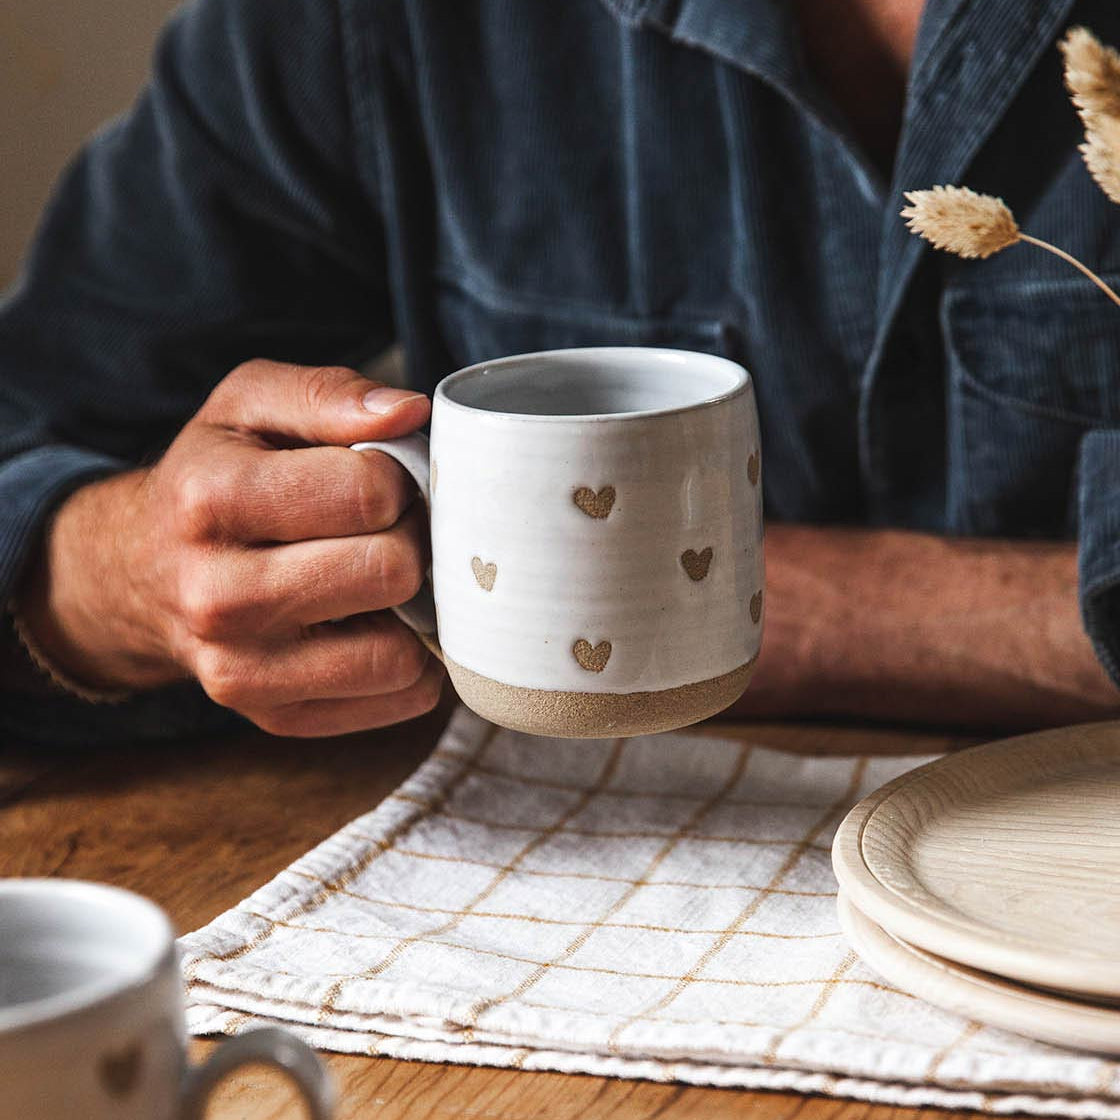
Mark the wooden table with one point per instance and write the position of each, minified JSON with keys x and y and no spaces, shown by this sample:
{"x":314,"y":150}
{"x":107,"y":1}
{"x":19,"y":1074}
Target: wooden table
{"x":198,"y":826}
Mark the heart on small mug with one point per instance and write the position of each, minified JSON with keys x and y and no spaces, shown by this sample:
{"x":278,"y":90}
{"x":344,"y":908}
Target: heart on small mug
{"x":485,"y":574}
{"x":753,"y":466}
{"x":696,"y":564}
{"x":594,"y":505}
{"x":121,"y":1070}
{"x":592,"y":658}
{"x":756,"y":606}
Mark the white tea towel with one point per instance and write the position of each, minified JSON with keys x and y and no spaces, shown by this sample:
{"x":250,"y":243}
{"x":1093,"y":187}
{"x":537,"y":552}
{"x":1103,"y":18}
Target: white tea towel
{"x":660,"y":907}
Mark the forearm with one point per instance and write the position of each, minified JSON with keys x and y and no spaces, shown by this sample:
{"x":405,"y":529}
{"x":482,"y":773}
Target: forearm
{"x":903,"y":626}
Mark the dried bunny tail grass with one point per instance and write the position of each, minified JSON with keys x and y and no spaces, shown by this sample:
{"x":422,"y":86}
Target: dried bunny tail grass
{"x":961,"y":221}
{"x":974,"y":225}
{"x":1093,"y":78}
{"x":1092,"y":75}
{"x":1101,"y":152}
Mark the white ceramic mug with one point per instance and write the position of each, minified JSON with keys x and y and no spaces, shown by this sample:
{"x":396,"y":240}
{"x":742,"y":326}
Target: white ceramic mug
{"x":91,"y":1013}
{"x":596,"y":520}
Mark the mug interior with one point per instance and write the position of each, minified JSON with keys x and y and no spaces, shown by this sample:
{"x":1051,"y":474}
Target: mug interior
{"x":600,"y":382}
{"x":66,"y":944}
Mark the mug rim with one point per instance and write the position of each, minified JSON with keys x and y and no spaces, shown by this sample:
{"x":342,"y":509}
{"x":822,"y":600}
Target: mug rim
{"x":741,"y":375}
{"x":132,"y":907}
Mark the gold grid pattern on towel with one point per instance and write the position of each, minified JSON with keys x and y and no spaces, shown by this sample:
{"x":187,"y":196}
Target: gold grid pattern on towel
{"x":698,"y":814}
{"x":541,"y":901}
{"x":744,"y":915}
{"x":539,"y":837}
{"x":442,"y":806}
{"x":396,"y":1046}
{"x":346,"y":875}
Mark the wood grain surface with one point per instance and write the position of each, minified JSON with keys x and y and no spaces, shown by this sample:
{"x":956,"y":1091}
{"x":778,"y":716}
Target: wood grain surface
{"x":1006,"y":858}
{"x":992,"y":999}
{"x":198,"y":825}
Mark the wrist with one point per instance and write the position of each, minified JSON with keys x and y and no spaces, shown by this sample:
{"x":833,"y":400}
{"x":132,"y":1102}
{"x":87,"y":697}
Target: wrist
{"x":77,"y":611}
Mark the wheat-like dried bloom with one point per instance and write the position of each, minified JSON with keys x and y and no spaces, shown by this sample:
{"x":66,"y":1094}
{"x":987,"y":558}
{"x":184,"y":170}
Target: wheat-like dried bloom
{"x":1093,"y":78}
{"x":1092,"y":74}
{"x":961,"y":221}
{"x":1101,"y":152}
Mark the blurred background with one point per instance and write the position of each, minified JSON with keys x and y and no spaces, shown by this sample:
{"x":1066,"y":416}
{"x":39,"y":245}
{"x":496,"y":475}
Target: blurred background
{"x":65,"y":67}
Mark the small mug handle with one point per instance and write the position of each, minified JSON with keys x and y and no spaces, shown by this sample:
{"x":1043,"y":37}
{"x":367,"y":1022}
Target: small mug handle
{"x":413,"y":452}
{"x":267,"y":1046}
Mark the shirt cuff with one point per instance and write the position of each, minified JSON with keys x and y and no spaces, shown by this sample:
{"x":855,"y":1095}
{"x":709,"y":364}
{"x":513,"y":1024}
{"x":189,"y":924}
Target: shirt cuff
{"x":31,"y":485}
{"x":1099,"y":545}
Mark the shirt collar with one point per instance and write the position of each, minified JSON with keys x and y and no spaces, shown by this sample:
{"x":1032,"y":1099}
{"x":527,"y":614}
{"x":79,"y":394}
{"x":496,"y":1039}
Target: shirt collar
{"x":970,"y":60}
{"x":757,"y":36}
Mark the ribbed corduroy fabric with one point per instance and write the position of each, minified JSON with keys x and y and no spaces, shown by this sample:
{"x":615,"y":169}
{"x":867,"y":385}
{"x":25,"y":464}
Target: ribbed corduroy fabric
{"x":312,"y":180}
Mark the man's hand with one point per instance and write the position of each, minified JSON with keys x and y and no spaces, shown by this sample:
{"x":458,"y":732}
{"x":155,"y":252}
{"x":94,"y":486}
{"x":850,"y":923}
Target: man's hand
{"x":229,"y":558}
{"x":912,"y":628}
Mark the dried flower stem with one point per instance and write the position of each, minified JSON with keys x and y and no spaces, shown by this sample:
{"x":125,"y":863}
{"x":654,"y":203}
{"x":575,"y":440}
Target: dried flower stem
{"x":1073,"y":261}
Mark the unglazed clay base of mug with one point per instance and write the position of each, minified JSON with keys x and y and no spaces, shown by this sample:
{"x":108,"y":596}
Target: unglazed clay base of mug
{"x":597,"y":715}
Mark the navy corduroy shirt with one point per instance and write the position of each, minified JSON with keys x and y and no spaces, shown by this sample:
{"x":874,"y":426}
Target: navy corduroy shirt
{"x":314,"y":180}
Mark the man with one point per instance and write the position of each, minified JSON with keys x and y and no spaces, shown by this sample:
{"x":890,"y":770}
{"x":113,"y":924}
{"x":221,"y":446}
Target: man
{"x":307,"y":181}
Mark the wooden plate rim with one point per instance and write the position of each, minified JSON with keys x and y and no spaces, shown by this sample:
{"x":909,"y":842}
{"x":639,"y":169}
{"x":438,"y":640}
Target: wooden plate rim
{"x":942,"y":935}
{"x":976,"y":995}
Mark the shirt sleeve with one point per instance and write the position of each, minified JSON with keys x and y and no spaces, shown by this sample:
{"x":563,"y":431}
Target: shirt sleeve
{"x":1099,"y":545}
{"x":222,"y":219}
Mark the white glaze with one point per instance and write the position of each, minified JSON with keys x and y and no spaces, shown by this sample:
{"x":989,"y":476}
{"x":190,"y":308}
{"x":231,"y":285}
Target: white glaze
{"x":675,"y":447}
{"x":91,"y":1016}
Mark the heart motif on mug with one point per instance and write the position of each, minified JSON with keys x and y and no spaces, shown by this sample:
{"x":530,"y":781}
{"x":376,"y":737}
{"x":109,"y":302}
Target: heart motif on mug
{"x":756,"y":606}
{"x":121,"y":1071}
{"x":592,"y":658}
{"x":594,"y":505}
{"x":696,"y":563}
{"x":485,"y":574}
{"x":753,"y":466}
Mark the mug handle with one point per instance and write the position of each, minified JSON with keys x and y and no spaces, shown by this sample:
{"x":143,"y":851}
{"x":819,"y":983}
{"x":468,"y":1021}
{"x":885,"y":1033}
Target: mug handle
{"x":267,"y":1046}
{"x":413,"y":452}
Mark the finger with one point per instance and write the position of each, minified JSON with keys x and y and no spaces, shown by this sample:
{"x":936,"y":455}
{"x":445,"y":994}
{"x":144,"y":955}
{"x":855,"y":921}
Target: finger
{"x":252,"y":494}
{"x":260,"y":591}
{"x":372,"y":655}
{"x":313,"y":404}
{"x":312,"y":718}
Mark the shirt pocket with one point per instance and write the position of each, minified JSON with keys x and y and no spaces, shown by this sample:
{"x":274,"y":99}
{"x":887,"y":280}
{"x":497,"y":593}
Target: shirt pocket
{"x":1033,"y":366}
{"x":479,"y":323}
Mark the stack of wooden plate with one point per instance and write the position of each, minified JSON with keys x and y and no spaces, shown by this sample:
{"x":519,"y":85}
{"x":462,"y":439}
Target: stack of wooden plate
{"x":988,"y":883}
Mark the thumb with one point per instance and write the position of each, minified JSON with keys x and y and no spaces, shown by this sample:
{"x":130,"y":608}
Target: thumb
{"x":314,"y":404}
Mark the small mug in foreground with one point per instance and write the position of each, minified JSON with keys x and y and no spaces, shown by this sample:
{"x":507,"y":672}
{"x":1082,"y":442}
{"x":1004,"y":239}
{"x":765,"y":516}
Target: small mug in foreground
{"x":596,"y":538}
{"x":91,"y":1013}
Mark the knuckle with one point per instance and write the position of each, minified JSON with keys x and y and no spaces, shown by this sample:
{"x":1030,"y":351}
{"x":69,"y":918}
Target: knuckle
{"x":319,"y":384}
{"x":405,"y":663}
{"x":428,"y":691}
{"x":204,"y":496}
{"x":223,"y":677}
{"x":208,"y":610}
{"x":235,"y":383}
{"x":377,"y":497}
{"x":288,"y":721}
{"x":396,"y":568}
{"x":305,"y":719}
{"x":250,"y":370}
{"x":194,"y":504}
